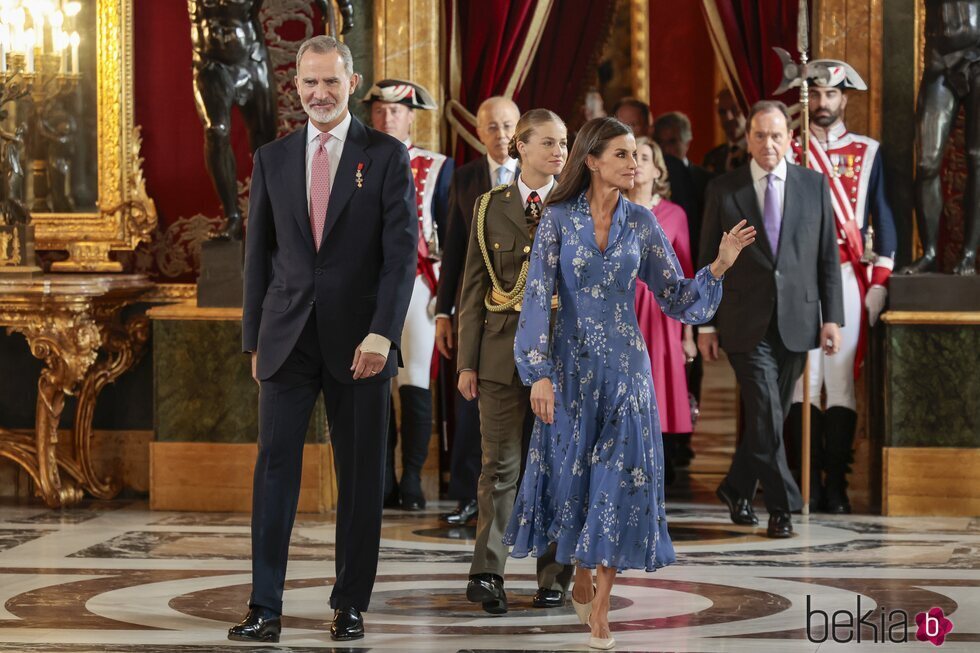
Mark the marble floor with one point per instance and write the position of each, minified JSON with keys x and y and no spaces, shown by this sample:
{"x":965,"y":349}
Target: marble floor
{"x":114,"y":576}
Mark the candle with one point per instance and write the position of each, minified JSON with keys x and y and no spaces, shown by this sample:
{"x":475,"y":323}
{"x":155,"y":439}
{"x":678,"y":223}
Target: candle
{"x":75,"y":40}
{"x":4,"y":42}
{"x":29,"y":47}
{"x":38,"y":26}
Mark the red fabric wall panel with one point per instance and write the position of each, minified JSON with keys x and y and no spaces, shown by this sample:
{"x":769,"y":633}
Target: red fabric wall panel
{"x":173,"y":139}
{"x":682,"y":68}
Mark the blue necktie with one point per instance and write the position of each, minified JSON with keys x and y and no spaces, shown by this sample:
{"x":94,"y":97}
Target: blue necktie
{"x":771,"y":214}
{"x":502,"y":175}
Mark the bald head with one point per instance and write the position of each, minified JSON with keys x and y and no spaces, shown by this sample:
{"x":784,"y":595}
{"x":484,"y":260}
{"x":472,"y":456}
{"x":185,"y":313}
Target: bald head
{"x":496,"y":120}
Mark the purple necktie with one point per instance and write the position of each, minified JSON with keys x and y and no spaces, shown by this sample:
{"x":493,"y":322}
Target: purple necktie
{"x":771,"y":214}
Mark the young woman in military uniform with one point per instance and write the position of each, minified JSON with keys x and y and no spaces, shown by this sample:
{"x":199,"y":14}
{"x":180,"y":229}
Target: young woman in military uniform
{"x":504,"y":223}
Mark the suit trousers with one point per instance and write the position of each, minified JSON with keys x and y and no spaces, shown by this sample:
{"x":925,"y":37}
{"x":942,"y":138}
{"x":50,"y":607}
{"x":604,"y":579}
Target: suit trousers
{"x":506,"y":421}
{"x":358,"y":416}
{"x":767,"y":375}
{"x":464,"y":462}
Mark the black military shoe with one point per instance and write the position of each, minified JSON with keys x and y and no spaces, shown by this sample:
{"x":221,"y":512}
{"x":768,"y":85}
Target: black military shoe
{"x":347,"y":625}
{"x":546,"y":598}
{"x":259,"y":625}
{"x":740,"y":510}
{"x":780,"y":525}
{"x":465,"y":512}
{"x":488,"y":589}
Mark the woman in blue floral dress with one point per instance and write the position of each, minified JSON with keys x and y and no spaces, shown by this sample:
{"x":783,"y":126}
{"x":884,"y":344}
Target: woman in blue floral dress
{"x":594,"y":478}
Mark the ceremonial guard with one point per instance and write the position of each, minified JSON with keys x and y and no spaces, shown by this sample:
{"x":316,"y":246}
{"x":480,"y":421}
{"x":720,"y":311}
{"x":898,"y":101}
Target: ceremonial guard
{"x":393,"y":104}
{"x":866,"y":238}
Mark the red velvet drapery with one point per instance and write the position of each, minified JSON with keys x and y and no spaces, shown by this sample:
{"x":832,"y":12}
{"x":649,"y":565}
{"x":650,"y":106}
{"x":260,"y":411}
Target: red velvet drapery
{"x":537,"y":52}
{"x":566,"y":55}
{"x":744,"y":33}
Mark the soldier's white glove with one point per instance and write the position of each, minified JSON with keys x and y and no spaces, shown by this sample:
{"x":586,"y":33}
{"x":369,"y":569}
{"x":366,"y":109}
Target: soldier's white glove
{"x":874,"y":301}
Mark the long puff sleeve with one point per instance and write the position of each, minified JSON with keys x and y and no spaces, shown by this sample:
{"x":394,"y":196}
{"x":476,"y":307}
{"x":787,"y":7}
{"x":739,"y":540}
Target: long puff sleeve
{"x":691,"y":301}
{"x":532,"y":350}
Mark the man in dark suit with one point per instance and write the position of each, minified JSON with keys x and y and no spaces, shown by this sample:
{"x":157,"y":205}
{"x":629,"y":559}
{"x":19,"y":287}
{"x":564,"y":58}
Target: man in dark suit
{"x":672,"y":131}
{"x":781,"y":300}
{"x":330,"y":260}
{"x":496,"y":119}
{"x":731,"y":154}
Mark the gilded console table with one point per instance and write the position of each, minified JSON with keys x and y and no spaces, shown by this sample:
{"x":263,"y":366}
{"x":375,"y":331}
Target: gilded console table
{"x":72,"y":323}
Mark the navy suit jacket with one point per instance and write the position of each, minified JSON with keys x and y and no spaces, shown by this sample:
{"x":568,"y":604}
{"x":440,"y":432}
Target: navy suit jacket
{"x":359,"y":282}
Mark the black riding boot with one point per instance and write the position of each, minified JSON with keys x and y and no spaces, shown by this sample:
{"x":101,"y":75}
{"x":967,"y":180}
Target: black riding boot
{"x":416,"y":431}
{"x":841,"y":423}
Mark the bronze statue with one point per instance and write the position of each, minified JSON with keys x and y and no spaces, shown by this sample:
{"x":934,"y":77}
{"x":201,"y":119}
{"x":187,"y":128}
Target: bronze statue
{"x":13,"y":210}
{"x":328,"y":18}
{"x":58,"y":127}
{"x":951,"y":79}
{"x":231,"y":66}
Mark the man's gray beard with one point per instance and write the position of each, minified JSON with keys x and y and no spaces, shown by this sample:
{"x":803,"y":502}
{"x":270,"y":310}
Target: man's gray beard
{"x":322,"y":115}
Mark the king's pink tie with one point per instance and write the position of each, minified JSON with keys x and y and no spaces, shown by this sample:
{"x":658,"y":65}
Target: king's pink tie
{"x":319,"y":188}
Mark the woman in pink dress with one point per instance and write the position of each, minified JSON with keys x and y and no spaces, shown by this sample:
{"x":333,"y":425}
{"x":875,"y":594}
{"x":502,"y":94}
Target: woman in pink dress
{"x":670,"y":344}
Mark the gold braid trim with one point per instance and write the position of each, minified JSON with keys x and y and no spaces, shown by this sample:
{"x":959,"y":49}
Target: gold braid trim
{"x":512,"y":299}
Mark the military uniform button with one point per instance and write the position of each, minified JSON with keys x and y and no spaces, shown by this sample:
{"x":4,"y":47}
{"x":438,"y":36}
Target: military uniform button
{"x":496,"y":245}
{"x":527,"y":249}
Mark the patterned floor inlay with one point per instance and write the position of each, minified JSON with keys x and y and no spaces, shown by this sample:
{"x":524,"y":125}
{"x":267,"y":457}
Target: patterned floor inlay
{"x":113,"y":577}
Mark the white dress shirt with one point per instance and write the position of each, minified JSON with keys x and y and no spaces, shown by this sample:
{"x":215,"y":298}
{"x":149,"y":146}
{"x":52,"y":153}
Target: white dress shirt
{"x":542,"y":192}
{"x":511,"y":166}
{"x":373,"y":343}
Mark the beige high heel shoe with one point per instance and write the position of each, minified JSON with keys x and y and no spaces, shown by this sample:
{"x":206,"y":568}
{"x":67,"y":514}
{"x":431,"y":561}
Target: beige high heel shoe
{"x":601,"y":643}
{"x":584,"y":610}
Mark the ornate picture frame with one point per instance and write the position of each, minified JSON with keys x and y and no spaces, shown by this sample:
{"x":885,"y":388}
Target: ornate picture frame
{"x":126,"y":215}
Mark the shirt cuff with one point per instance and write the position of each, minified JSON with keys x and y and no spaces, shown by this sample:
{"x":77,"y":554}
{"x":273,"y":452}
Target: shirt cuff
{"x":375,"y":344}
{"x":444,"y":315}
{"x":707,"y":328}
{"x":465,"y":369}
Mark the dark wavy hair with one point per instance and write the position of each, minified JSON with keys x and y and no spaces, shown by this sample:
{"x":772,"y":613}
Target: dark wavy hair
{"x":592,"y":139}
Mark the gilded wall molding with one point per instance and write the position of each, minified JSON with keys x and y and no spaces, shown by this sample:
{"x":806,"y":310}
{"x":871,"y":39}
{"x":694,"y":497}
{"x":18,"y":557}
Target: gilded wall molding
{"x":640,"y":49}
{"x":407,"y":40}
{"x":127,"y":215}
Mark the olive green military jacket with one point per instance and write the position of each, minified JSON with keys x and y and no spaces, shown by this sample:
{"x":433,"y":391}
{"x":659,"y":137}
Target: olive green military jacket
{"x":486,"y":339}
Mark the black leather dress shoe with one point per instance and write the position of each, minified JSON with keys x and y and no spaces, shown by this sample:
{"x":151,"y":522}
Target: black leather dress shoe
{"x":780,"y":525}
{"x":487,"y":589}
{"x":347,"y":625}
{"x":740,"y":510}
{"x":259,"y":625}
{"x":412,"y":503}
{"x":546,"y":598}
{"x":465,"y":511}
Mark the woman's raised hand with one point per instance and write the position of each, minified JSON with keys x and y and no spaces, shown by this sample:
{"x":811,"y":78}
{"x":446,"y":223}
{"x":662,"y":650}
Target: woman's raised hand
{"x":732,"y":243}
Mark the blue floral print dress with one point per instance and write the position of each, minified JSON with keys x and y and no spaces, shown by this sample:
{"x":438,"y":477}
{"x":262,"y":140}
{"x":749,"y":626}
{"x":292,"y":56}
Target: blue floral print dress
{"x":594,"y":478}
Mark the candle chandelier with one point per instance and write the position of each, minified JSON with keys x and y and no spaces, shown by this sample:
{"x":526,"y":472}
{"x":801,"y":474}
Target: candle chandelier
{"x":39,"y":60}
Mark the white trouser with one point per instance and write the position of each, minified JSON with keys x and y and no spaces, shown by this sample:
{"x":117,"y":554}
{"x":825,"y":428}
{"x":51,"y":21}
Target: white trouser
{"x":418,"y":338}
{"x":837,"y":372}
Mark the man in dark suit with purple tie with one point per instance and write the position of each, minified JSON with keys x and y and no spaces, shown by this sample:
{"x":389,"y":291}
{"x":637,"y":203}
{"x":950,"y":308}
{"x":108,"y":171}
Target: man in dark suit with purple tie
{"x":330,"y":258}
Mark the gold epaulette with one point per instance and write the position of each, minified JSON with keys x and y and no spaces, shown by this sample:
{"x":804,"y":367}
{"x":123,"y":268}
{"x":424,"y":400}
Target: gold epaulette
{"x":497,"y":299}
